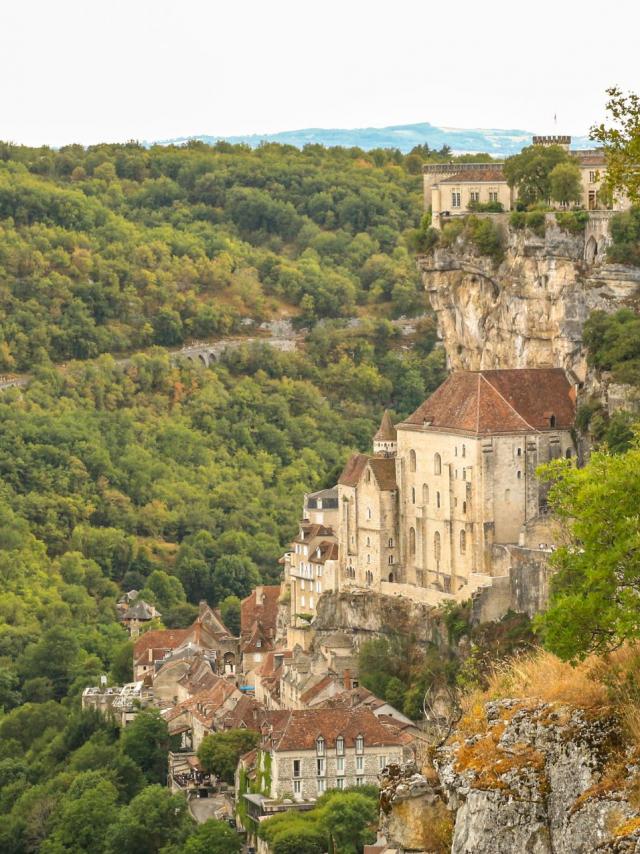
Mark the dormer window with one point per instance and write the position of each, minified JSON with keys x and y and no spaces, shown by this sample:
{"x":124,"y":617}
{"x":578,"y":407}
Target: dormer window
{"x":320,"y":745}
{"x":340,"y":745}
{"x":360,"y":744}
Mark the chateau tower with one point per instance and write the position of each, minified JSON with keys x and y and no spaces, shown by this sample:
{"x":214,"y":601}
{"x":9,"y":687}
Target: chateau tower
{"x":385,"y":442}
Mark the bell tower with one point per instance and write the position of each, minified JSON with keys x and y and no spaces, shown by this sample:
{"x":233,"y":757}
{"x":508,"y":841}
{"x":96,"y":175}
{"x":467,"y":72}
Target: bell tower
{"x":385,"y":442}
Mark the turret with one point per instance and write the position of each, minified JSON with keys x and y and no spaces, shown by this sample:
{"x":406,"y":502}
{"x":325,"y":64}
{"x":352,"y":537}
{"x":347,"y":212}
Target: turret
{"x":385,"y":442}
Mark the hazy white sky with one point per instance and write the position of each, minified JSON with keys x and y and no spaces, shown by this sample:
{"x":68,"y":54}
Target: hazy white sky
{"x":87,"y":71}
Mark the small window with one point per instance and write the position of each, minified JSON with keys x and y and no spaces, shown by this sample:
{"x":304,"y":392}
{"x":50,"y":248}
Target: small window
{"x":413,"y":495}
{"x":320,"y":767}
{"x":340,"y":765}
{"x":359,"y":781}
{"x":464,"y":506}
{"x":368,"y":558}
{"x":359,"y":744}
{"x":567,"y":454}
{"x":368,"y":512}
{"x":412,"y":542}
{"x":297,"y":787}
{"x":455,"y":198}
{"x":436,"y":546}
{"x":340,"y":783}
{"x":390,"y":560}
{"x":368,"y":542}
{"x":463,"y":542}
{"x":296,"y":767}
{"x":340,"y":745}
{"x":359,"y":763}
{"x":382,"y":762}
{"x":390,"y":542}
{"x":464,"y":451}
{"x":519,"y":475}
{"x":519,"y":452}
{"x":437,"y":464}
{"x":412,"y":460}
{"x":320,"y":745}
{"x":322,"y":785}
{"x":425,"y":494}
{"x":464,"y":474}
{"x":437,"y":499}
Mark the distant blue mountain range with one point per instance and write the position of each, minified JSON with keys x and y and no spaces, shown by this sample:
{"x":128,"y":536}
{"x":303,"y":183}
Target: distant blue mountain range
{"x":493,"y":141}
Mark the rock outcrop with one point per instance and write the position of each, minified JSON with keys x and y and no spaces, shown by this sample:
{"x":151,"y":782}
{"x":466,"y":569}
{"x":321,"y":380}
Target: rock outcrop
{"x":540,"y":778}
{"x":529,"y":310}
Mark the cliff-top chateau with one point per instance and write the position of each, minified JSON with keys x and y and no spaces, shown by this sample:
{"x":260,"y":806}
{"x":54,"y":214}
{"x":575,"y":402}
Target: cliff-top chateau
{"x":452,"y":189}
{"x":424,"y":513}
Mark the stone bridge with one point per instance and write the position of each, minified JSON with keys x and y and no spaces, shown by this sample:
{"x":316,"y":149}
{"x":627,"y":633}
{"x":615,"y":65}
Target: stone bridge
{"x":205,"y":353}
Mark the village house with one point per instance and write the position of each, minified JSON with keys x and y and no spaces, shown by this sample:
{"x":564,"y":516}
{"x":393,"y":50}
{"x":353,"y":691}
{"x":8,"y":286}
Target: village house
{"x":134,"y":613}
{"x":258,"y":619}
{"x":314,"y":750}
{"x":208,"y":635}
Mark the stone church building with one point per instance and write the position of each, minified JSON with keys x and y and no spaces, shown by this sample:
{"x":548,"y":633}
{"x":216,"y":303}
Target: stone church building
{"x":423,"y":514}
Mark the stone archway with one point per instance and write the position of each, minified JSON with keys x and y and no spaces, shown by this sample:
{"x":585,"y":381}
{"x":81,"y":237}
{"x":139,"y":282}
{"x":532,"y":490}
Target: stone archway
{"x":591,"y":250}
{"x":203,"y":360}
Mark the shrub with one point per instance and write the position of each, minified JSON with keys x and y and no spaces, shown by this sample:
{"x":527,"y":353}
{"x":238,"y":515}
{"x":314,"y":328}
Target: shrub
{"x":536,"y":221}
{"x":625,"y":231}
{"x":451,"y":232}
{"x":518,"y":220}
{"x":485,"y":207}
{"x":486,"y":236}
{"x":572,"y":221}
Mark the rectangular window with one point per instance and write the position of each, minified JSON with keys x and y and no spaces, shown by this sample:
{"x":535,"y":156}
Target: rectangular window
{"x":474,"y":196}
{"x":359,"y":763}
{"x":359,"y":781}
{"x":493,"y":195}
{"x":318,"y":587}
{"x":592,"y":177}
{"x":340,"y":783}
{"x":382,"y":762}
{"x":296,"y":767}
{"x":340,"y":765}
{"x":297,"y":787}
{"x":322,"y":784}
{"x":320,"y":767}
{"x":455,"y":199}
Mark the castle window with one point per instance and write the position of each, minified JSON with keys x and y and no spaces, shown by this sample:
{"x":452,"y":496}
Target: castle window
{"x":368,"y":541}
{"x":519,"y":475}
{"x":436,"y":546}
{"x":390,"y":542}
{"x":463,"y":542}
{"x":425,"y":493}
{"x":412,"y":542}
{"x":464,"y":451}
{"x":464,"y":506}
{"x":412,"y":460}
{"x":413,"y":495}
{"x":519,"y":452}
{"x":437,"y":464}
{"x":437,"y":499}
{"x":390,"y":560}
{"x":368,"y":512}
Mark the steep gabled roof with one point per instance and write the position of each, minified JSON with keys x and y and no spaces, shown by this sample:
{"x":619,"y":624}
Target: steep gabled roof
{"x":521,"y":400}
{"x":160,"y":640}
{"x":383,"y":468}
{"x":386,"y":431}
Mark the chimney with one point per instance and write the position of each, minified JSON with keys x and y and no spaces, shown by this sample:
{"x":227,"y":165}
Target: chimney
{"x":347,"y":680}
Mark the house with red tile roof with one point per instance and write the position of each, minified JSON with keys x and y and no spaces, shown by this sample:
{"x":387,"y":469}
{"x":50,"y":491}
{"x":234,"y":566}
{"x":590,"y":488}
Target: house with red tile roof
{"x":258,"y":628}
{"x":319,"y":749}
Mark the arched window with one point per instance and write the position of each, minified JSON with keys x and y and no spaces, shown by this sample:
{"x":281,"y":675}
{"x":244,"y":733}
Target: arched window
{"x":390,"y":560}
{"x":320,"y":745}
{"x":413,"y":495}
{"x":437,"y":464}
{"x":464,"y":506}
{"x":412,"y":542}
{"x":464,"y":451}
{"x":463,"y":542}
{"x":412,"y":460}
{"x":436,"y":546}
{"x":425,"y":493}
{"x":340,"y":745}
{"x":359,"y":744}
{"x":437,"y":499}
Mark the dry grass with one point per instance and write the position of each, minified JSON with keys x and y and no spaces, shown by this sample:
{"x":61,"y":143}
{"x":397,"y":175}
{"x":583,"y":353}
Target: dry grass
{"x":543,"y":676}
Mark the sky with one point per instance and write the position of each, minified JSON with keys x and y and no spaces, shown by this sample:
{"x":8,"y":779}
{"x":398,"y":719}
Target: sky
{"x":96,"y":71}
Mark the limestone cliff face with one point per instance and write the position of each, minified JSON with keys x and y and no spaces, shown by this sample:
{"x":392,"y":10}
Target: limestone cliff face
{"x":522,"y":776}
{"x":528,"y":311}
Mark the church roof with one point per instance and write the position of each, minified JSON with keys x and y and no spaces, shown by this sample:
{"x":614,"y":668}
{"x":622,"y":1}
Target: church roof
{"x":521,"y":400}
{"x":386,"y":431}
{"x":383,"y":468}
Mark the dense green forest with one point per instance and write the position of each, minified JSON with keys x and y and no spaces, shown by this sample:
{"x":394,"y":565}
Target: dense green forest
{"x":118,"y":247}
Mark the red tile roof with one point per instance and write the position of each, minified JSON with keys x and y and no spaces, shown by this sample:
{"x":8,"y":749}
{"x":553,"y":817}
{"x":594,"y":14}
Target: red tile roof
{"x":383,"y":468}
{"x":258,"y":617}
{"x":158,"y":640}
{"x":301,"y":729}
{"x":507,"y":401}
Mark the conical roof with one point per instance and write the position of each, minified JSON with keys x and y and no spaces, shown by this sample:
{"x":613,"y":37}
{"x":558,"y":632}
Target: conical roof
{"x":387,"y":432}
